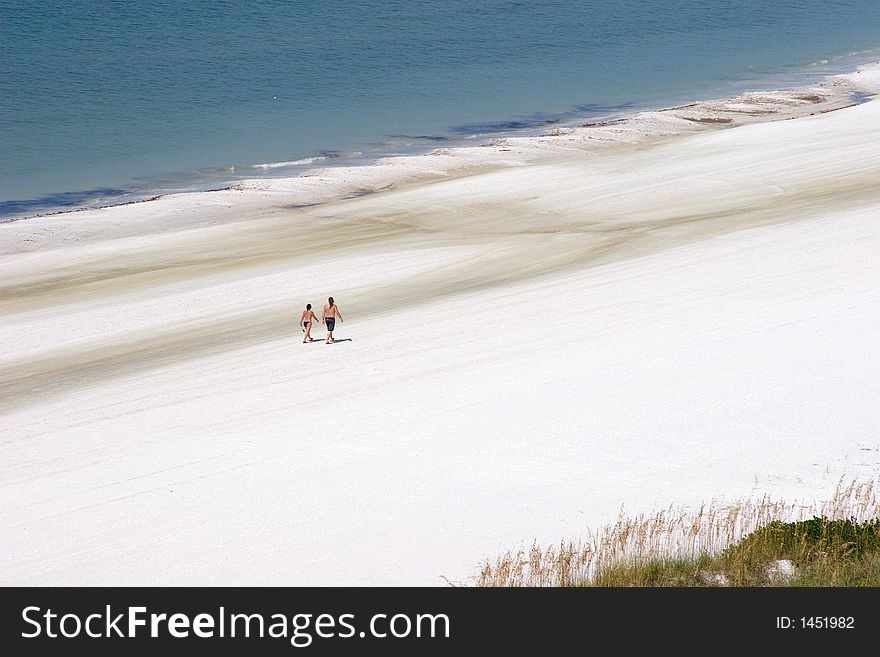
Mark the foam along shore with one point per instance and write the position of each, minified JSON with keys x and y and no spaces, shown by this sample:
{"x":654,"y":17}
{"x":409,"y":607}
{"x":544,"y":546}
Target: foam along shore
{"x":655,"y":311}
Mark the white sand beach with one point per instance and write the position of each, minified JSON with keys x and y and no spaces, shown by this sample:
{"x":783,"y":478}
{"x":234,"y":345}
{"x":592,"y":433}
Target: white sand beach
{"x":680,"y":306}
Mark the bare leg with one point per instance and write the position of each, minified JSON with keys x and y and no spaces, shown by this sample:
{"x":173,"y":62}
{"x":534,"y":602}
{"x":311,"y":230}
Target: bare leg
{"x":308,"y":336}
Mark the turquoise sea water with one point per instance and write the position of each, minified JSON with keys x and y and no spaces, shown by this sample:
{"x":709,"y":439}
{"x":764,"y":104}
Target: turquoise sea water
{"x":106,"y":100}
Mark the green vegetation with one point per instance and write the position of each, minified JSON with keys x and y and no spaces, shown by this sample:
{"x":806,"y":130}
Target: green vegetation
{"x":815,"y":552}
{"x":822,"y":551}
{"x":752,"y":543}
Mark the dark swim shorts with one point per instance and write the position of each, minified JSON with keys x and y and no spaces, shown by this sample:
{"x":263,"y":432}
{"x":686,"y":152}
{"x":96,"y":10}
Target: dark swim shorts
{"x":331,"y":322}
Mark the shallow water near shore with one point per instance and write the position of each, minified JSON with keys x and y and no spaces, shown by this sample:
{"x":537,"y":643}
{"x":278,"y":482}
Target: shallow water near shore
{"x":107,"y":104}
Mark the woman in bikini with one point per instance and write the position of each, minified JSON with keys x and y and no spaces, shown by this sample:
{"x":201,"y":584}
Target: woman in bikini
{"x":306,"y":320}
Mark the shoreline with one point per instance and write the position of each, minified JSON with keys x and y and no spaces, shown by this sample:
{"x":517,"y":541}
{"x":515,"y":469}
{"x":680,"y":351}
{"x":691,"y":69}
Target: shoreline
{"x":645,"y":313}
{"x":324,"y":185}
{"x":527,"y":127}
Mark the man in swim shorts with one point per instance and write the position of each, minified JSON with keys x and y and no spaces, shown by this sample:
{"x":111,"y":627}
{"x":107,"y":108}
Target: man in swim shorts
{"x":329,"y":316}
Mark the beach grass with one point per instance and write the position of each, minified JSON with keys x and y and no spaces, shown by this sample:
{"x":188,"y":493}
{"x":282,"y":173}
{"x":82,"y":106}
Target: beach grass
{"x":757,"y":542}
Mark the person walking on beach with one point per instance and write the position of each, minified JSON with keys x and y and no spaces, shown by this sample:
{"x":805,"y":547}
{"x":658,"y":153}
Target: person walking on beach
{"x":306,"y":320}
{"x":329,"y":316}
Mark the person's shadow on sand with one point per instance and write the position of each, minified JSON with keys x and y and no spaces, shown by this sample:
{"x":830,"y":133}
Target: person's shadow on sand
{"x":322,"y":341}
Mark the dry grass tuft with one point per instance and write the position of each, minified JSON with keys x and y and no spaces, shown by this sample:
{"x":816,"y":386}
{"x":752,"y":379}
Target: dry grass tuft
{"x":672,"y":547}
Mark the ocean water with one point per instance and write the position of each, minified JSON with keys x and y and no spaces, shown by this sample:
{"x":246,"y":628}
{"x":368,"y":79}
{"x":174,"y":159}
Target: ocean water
{"x":107,"y":100}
